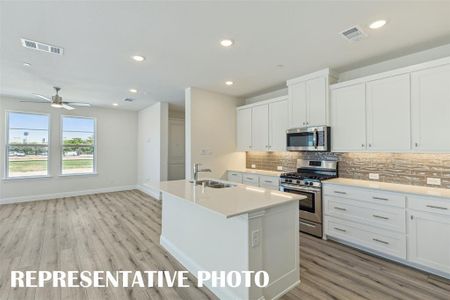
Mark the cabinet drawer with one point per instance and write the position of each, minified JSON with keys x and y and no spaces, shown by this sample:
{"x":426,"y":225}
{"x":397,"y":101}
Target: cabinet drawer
{"x":386,"y":217}
{"x":235,"y":177}
{"x":429,"y":204}
{"x":380,"y":240}
{"x":250,"y":179}
{"x":269,"y":182}
{"x":368,"y":195}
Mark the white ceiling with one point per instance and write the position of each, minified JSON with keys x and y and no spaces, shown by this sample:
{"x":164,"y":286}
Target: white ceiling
{"x":180,"y":41}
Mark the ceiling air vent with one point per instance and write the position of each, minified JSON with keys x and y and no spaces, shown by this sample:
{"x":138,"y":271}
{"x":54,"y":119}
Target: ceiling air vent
{"x":42,"y":47}
{"x":354,"y":34}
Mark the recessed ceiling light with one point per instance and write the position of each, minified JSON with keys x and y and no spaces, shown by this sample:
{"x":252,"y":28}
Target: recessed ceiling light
{"x":226,"y":43}
{"x":138,"y":58}
{"x":377,"y":24}
{"x":229,"y":82}
{"x":115,"y":104}
{"x":134,"y":91}
{"x":26,"y":64}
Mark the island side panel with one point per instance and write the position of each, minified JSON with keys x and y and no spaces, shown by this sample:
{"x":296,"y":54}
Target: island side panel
{"x":202,"y":240}
{"x":278,"y":251}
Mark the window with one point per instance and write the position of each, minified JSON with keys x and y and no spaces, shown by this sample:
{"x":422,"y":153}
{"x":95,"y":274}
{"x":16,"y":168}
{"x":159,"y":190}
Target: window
{"x":27,"y":144}
{"x":78,"y":145}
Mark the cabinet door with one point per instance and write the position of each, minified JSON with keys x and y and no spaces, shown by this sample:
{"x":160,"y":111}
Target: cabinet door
{"x":429,"y":240}
{"x":431,"y":109}
{"x":260,"y":128}
{"x":244,"y":129}
{"x":389,"y":114}
{"x":297,"y":105}
{"x":348,"y":118}
{"x":278,"y":124}
{"x":317,"y":104}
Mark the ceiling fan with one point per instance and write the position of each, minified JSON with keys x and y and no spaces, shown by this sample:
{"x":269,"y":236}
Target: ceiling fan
{"x":57,"y":101}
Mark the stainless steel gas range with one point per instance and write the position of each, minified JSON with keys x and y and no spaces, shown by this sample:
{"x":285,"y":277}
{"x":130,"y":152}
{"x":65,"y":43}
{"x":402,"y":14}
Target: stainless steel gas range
{"x":307,"y":181}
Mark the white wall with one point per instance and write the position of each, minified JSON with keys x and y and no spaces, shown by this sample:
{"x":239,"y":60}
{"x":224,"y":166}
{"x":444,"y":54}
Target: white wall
{"x":211,"y":132}
{"x":116,"y":154}
{"x":267,"y":96}
{"x":153,"y":143}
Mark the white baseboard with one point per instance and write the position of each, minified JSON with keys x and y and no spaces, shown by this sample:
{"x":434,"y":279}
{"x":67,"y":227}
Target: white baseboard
{"x":149,"y":191}
{"x":66,"y":194}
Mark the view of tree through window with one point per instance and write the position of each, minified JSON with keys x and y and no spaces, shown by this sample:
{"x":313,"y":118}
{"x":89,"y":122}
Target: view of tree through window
{"x":78,"y":145}
{"x":27,"y":147}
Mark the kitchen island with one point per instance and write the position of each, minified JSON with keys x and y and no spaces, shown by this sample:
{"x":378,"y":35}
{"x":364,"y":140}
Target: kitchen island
{"x":237,"y":228}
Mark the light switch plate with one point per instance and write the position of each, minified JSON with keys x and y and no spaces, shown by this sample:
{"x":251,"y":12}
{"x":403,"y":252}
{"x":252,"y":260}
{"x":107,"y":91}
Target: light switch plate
{"x":374,"y":176}
{"x":280,"y":168}
{"x":253,"y":166}
{"x":433,"y":181}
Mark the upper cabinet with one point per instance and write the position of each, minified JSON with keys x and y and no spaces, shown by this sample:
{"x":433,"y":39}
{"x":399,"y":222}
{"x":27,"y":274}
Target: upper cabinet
{"x":348,"y":118}
{"x":388,"y":114}
{"x":308,"y":99}
{"x":262,"y":126}
{"x":404,"y":110}
{"x":430,"y":95}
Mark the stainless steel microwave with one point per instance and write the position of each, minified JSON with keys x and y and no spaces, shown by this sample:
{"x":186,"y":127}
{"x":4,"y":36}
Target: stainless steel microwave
{"x":308,"y":139}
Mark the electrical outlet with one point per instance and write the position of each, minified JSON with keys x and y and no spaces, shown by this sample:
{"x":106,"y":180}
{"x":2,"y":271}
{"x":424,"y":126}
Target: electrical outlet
{"x":253,"y":166}
{"x":433,"y":181}
{"x":374,"y":176}
{"x":255,"y":238}
{"x":280,"y":168}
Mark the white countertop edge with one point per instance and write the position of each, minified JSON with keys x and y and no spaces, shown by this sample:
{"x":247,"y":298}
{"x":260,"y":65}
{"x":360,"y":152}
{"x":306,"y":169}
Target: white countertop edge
{"x":391,"y":187}
{"x":258,"y":171}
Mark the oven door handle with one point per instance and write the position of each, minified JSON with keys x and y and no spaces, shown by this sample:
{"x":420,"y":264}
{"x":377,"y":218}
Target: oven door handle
{"x":300,"y":189}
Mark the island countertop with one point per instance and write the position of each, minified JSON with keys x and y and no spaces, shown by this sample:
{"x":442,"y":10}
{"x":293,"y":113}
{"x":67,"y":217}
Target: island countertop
{"x":232,"y":201}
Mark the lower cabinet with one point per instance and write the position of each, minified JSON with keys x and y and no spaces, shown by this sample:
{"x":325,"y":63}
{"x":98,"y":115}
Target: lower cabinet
{"x":410,"y":228}
{"x":268,"y":182}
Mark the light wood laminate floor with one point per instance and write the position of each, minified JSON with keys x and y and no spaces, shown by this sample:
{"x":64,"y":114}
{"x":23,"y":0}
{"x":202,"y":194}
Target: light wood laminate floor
{"x":120,"y":231}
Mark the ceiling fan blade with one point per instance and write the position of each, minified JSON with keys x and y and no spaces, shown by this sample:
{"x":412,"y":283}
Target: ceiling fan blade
{"x":78,"y":104}
{"x":67,"y":107}
{"x":43,"y":97}
{"x":31,"y":101}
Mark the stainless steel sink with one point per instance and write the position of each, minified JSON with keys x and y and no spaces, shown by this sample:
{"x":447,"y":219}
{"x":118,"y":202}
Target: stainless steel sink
{"x":214,"y":184}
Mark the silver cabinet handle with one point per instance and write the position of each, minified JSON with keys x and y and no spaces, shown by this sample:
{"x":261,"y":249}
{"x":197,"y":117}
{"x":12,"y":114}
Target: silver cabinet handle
{"x":268,"y":181}
{"x":437,"y":207}
{"x":416,"y":144}
{"x":380,"y":217}
{"x":370,"y":145}
{"x":340,"y":229}
{"x":308,"y":225}
{"x":380,"y":198}
{"x":380,"y":241}
{"x":339,"y":192}
{"x":249,"y":178}
{"x":362,"y":145}
{"x":340,"y":208}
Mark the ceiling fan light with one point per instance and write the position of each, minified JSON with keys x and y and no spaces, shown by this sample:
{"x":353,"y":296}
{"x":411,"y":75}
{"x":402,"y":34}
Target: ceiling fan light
{"x":56,"y":105}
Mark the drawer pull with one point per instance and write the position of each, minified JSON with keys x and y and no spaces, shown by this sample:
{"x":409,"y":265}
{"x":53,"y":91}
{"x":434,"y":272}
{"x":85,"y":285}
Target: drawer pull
{"x":339,"y":192}
{"x":340,"y":208}
{"x":340,"y":229}
{"x":437,"y":207}
{"x":268,"y":181}
{"x":249,"y":178}
{"x":380,"y":217}
{"x":380,"y":198}
{"x":307,"y":225}
{"x":380,"y":241}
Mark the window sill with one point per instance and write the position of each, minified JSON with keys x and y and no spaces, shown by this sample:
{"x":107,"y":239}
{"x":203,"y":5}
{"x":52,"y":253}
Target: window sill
{"x":26,"y":177}
{"x":78,"y":174}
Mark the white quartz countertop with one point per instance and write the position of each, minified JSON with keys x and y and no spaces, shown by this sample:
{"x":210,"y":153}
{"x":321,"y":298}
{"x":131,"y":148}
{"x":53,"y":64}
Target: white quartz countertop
{"x":233,"y":201}
{"x":392,"y":187}
{"x":257,"y":171}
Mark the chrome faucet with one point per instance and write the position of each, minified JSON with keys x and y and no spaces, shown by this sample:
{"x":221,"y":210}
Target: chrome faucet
{"x":197,"y":170}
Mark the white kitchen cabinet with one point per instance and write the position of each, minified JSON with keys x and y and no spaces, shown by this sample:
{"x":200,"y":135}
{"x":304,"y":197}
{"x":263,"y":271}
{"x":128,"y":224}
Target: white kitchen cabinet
{"x":234,"y":176}
{"x":297,"y":105}
{"x":430,"y":92}
{"x":429,"y":240}
{"x":388,"y":114}
{"x":348,"y":118}
{"x":278,"y":124}
{"x":250,"y":179}
{"x":260,"y":128}
{"x":308,"y":100}
{"x":244,"y":129}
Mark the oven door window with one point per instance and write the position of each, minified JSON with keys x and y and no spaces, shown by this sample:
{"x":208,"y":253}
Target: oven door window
{"x":308,"y":204}
{"x":303,"y":139}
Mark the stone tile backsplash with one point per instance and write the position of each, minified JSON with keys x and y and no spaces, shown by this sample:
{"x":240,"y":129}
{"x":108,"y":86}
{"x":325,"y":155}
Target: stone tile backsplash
{"x":405,"y":168}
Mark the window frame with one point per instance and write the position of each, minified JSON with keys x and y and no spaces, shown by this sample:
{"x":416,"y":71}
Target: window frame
{"x":61,"y":146}
{"x":6,"y":158}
